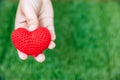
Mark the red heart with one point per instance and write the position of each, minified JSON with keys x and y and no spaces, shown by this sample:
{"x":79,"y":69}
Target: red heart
{"x":31,"y":42}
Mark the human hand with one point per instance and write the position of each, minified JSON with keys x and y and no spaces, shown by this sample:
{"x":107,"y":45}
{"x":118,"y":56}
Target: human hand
{"x":34,"y":13}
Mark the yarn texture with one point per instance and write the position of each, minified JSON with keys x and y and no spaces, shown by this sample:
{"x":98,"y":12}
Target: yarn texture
{"x":31,"y":42}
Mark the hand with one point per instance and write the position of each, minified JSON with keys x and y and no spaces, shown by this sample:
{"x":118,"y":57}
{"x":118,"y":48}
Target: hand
{"x":34,"y":13}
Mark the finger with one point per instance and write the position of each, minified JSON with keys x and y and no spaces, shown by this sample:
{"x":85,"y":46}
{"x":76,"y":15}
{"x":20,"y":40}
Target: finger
{"x":22,"y":55}
{"x":52,"y":32}
{"x":52,"y":45}
{"x":40,"y":58}
{"x":46,"y":10}
{"x":48,"y":23}
{"x":20,"y":20}
{"x":46,"y":18}
{"x":30,"y":14}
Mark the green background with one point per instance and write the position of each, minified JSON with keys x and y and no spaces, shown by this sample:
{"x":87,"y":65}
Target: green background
{"x":88,"y":43}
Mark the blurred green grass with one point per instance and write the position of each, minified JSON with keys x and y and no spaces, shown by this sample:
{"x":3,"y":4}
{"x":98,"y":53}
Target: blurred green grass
{"x":88,"y":35}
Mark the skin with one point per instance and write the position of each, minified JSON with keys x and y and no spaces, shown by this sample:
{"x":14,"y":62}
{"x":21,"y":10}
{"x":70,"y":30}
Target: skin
{"x":31,"y":14}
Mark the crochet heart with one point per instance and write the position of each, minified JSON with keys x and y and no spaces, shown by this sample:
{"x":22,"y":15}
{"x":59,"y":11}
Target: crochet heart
{"x":31,"y":42}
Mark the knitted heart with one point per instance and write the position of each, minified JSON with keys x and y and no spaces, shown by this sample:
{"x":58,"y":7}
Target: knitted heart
{"x":31,"y":42}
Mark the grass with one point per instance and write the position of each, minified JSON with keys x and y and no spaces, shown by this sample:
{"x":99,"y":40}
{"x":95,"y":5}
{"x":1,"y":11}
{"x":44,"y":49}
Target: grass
{"x":88,"y":36}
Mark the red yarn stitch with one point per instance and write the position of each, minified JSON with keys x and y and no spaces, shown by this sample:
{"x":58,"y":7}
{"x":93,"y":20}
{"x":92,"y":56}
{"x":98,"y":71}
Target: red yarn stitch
{"x":31,"y":43}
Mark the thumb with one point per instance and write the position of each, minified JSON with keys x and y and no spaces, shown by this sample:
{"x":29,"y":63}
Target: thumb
{"x":30,"y":15}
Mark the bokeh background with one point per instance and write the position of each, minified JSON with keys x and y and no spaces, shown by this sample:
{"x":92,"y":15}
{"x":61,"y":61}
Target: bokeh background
{"x":88,"y":43}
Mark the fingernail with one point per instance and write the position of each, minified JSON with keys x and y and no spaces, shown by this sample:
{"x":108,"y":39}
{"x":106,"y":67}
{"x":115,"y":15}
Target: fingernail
{"x":22,"y":55}
{"x":40,"y":58}
{"x":52,"y":45}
